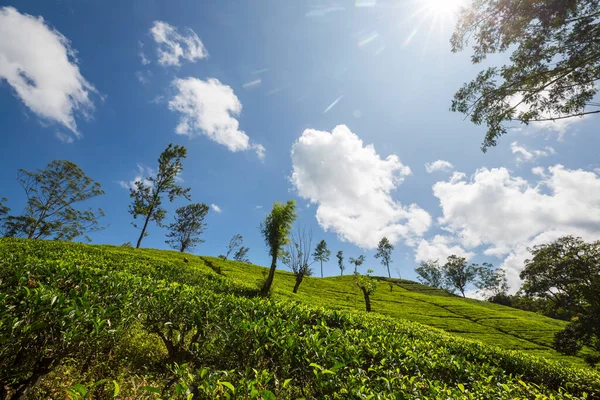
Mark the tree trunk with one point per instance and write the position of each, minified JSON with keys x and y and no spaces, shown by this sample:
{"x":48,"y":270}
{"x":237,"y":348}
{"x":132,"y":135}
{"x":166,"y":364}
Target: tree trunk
{"x":367,"y":300}
{"x":299,"y":278}
{"x":389,"y":273}
{"x":267,"y":285}
{"x":321,"y":268}
{"x":139,"y":242}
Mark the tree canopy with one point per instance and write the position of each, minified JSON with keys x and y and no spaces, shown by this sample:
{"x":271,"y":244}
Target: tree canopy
{"x":147,"y":193}
{"x":188,"y":225}
{"x":275,"y":230}
{"x":567,"y":273}
{"x":554,"y":63}
{"x":296,"y":255}
{"x":51,"y":195}
{"x":234,"y":243}
{"x":357,"y":262}
{"x":340,"y":258}
{"x":322,"y":254}
{"x":384,"y":251}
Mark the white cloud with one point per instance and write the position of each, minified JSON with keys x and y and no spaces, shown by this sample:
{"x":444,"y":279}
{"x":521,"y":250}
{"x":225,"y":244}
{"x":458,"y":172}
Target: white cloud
{"x":524,"y":155}
{"x":141,"y":54}
{"x":505,"y":214}
{"x":142,"y":176}
{"x":216,"y":208}
{"x":439,"y":165}
{"x":172,"y":45}
{"x":352,"y":187}
{"x":209,"y":108}
{"x":39,"y":64}
{"x":259,"y":207}
{"x":143,"y":76}
{"x":439,"y":248}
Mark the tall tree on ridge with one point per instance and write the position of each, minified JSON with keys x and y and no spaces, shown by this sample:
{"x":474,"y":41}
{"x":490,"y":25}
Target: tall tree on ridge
{"x":49,"y":211}
{"x":384,"y":251}
{"x":275,"y":230}
{"x":340,"y":257}
{"x":296,"y":255}
{"x":322,"y":254}
{"x":357,"y":262}
{"x":147,"y":194}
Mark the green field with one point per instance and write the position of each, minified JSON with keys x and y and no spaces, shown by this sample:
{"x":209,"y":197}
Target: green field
{"x":115,"y":322}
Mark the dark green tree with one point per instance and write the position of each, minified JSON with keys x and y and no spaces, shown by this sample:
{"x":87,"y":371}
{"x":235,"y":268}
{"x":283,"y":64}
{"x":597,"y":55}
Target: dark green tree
{"x":554,"y":64}
{"x":367,"y":285}
{"x":322,"y":254}
{"x":491,"y":282}
{"x":431,"y":273}
{"x":458,"y":274}
{"x":275,"y":230}
{"x":234,"y":243}
{"x":51,"y":195}
{"x":148,"y":194}
{"x":357,"y":262}
{"x":4,"y":211}
{"x":384,"y":251}
{"x":188,"y":225}
{"x":566,"y":272}
{"x":340,"y":257}
{"x":296,"y":256}
{"x":241,"y":255}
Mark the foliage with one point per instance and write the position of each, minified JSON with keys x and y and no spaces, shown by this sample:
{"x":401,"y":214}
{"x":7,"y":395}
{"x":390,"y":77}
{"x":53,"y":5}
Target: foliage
{"x":275,"y":230}
{"x":227,"y":345}
{"x":4,"y":210}
{"x":49,"y":212}
{"x":367,"y":285}
{"x":554,"y":66}
{"x":234,"y":243}
{"x":384,"y":251}
{"x":322,"y":254}
{"x":457,"y":274}
{"x":431,"y":273}
{"x":241,"y":255}
{"x":185,"y":230}
{"x":296,"y":256}
{"x":340,"y":258}
{"x":357,"y":262}
{"x":147,"y":193}
{"x":491,"y":282}
{"x":534,"y":304}
{"x":567,"y":273}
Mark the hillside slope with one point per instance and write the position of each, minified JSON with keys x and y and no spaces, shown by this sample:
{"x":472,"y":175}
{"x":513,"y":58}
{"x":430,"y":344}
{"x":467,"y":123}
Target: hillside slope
{"x":105,"y":322}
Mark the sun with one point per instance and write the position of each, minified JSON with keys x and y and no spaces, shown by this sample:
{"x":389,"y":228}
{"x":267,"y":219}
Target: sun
{"x":442,"y":8}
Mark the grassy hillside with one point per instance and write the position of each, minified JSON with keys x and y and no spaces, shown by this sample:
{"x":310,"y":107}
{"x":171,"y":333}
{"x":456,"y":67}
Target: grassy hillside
{"x":82,"y":321}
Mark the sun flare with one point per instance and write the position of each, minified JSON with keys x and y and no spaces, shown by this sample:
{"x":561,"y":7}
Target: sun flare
{"x":442,"y":7}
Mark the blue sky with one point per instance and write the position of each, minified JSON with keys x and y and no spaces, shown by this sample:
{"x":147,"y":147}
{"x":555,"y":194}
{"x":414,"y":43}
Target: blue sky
{"x":118,"y":81}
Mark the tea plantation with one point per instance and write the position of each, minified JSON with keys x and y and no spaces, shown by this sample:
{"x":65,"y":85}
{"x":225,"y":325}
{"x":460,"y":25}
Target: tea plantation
{"x":80,"y":321}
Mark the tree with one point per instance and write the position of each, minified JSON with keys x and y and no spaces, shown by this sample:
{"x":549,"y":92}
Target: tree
{"x":566,"y":272}
{"x":431,"y":273}
{"x":4,"y":210}
{"x":275,"y":229}
{"x":457,"y":274}
{"x":357,"y":262}
{"x":340,"y":257}
{"x":384,"y":251}
{"x":491,"y":282}
{"x":367,"y":285}
{"x":296,"y":256}
{"x":235,"y":242}
{"x":241,"y":255}
{"x":185,"y":230}
{"x":554,"y":66}
{"x":147,"y":193}
{"x":51,"y":194}
{"x":322,"y":254}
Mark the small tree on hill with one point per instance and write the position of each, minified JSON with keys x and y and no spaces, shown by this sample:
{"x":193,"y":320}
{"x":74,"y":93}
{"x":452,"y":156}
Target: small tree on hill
{"x":491,"y":282}
{"x":51,"y":195}
{"x":357,"y":262}
{"x":235,"y":242}
{"x":384,"y":251}
{"x":185,"y":230}
{"x":241,"y":255}
{"x":296,"y":255}
{"x":147,"y":194}
{"x":431,"y":273}
{"x":367,"y":285}
{"x":457,"y":274}
{"x":322,"y":254}
{"x":340,"y":257}
{"x":275,"y":230}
